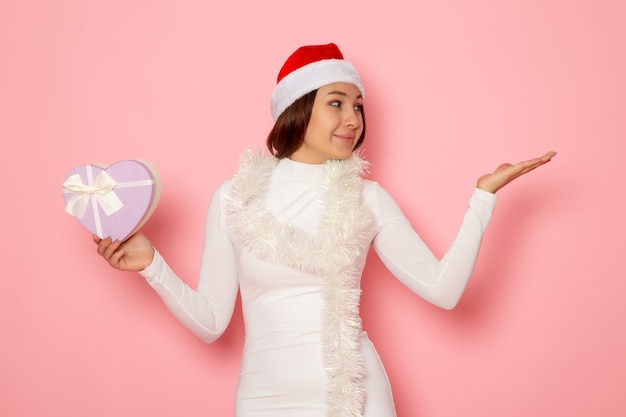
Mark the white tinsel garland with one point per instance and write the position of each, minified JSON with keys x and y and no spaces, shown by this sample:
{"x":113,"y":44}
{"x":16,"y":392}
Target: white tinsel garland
{"x":343,"y":234}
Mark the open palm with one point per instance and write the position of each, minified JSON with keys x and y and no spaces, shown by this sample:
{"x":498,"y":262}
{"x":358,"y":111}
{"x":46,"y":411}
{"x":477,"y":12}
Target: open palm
{"x":506,"y":173}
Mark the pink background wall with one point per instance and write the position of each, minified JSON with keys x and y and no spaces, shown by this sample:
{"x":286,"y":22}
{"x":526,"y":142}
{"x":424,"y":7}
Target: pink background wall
{"x":454,"y":89}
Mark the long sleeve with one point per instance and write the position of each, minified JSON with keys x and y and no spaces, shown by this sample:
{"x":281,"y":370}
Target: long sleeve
{"x":207,"y":310}
{"x":439,"y":281}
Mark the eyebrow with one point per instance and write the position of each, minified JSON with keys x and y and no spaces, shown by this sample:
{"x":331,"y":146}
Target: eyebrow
{"x":341,"y":93}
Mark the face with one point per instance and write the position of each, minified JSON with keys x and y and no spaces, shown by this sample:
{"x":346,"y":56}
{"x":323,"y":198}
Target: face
{"x":335,"y":126}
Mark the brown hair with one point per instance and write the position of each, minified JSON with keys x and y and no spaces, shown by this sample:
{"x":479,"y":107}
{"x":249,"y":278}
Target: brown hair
{"x":287,"y":135}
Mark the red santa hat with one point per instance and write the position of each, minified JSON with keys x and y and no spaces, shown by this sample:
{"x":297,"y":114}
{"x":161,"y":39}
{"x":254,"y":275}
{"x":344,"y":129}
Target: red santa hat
{"x":309,"y":68}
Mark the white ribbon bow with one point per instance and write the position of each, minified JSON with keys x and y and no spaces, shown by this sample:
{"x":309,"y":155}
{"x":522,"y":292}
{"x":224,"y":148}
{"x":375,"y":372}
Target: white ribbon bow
{"x":101,"y":190}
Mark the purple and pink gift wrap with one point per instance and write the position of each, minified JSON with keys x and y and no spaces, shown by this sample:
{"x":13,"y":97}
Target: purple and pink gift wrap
{"x":112,"y":201}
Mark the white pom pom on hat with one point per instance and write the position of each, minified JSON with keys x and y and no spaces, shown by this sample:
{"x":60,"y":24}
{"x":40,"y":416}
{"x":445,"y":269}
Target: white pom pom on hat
{"x":309,"y":68}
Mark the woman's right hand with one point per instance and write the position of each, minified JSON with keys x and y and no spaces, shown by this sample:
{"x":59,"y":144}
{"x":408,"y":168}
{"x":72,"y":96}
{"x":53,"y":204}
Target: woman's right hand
{"x":134,"y":254}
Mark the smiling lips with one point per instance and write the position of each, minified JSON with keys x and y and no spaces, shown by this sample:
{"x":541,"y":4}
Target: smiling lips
{"x":345,"y":137}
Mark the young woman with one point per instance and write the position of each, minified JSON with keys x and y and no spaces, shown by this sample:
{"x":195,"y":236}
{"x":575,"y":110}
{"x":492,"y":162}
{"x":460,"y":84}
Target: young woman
{"x":291,"y":232}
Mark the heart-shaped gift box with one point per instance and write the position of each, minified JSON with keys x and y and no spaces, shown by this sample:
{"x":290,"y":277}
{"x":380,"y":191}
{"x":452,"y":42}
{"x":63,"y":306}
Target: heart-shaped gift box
{"x":112,"y":201}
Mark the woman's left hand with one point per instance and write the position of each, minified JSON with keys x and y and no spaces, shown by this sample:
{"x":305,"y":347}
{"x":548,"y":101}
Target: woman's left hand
{"x":508,"y":172}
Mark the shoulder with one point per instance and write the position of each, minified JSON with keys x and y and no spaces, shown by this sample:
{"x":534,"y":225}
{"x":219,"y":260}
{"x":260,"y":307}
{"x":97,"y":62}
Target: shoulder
{"x":380,"y":202}
{"x":373,"y":192}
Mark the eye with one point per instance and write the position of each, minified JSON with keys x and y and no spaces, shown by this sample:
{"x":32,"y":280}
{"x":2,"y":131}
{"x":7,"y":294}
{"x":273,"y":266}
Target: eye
{"x":335,"y":103}
{"x":358,"y":108}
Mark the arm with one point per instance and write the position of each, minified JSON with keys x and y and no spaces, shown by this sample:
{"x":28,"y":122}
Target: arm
{"x":439,"y":281}
{"x":442,"y":282}
{"x":205,"y":311}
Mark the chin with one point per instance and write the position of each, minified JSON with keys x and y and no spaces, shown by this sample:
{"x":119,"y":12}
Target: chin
{"x":343,"y":154}
{"x":342,"y":157}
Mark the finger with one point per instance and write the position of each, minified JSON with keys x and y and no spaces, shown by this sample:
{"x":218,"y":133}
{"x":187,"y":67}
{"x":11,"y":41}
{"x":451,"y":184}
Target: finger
{"x":103,"y":245}
{"x":526,"y":166}
{"x":540,"y":160}
{"x":111,"y":249}
{"x":96,"y":238}
{"x":116,"y":258}
{"x":548,"y":156}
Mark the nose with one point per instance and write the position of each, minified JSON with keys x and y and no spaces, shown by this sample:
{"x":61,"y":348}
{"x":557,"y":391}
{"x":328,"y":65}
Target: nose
{"x":353,"y":119}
